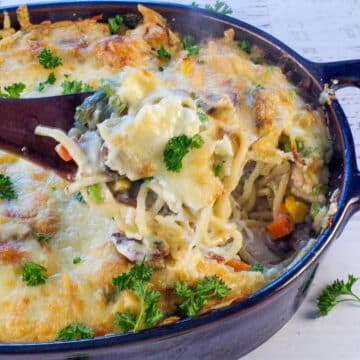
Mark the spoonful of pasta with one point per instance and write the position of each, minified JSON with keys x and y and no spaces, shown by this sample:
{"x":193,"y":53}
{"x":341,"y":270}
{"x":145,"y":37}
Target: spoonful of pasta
{"x":20,"y":117}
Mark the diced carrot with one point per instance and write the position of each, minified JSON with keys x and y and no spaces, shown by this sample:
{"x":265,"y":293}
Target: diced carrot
{"x":282,"y":226}
{"x":238,"y":265}
{"x":62,"y":152}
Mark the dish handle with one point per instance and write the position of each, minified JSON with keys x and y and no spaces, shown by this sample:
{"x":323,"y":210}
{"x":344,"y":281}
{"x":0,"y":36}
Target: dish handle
{"x":342,"y":74}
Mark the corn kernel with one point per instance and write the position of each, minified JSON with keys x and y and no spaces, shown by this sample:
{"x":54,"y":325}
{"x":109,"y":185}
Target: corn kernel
{"x":6,"y":158}
{"x":3,"y":220}
{"x":297,"y":209}
{"x":121,"y":185}
{"x":186,"y":67}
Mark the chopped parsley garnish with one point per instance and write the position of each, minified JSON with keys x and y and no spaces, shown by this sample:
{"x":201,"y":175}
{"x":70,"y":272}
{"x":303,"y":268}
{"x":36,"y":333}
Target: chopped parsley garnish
{"x":76,"y":260}
{"x":88,"y":88}
{"x":137,"y":273}
{"x":216,"y":168}
{"x":162,"y":53}
{"x":197,"y":296}
{"x":115,"y":23}
{"x":95,"y":193}
{"x":49,"y":81}
{"x":220,"y":7}
{"x":319,"y":189}
{"x":257,"y":267}
{"x":75,"y":331}
{"x":7,"y":190}
{"x":188,"y":45}
{"x":193,"y":95}
{"x":48,"y":60}
{"x":193,"y":50}
{"x":339,"y":291}
{"x":75,"y":86}
{"x":78,"y":196}
{"x":177,"y":147}
{"x":12,"y":91}
{"x":187,"y":41}
{"x":125,"y":321}
{"x":71,"y":86}
{"x":195,"y":4}
{"x":43,"y":238}
{"x":315,"y":209}
{"x":34,"y":274}
{"x":259,"y":87}
{"x":202,"y":116}
{"x":137,"y":280}
{"x":160,"y":68}
{"x":244,"y":45}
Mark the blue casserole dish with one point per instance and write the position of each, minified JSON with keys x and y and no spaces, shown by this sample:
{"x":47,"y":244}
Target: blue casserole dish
{"x":233,"y":331}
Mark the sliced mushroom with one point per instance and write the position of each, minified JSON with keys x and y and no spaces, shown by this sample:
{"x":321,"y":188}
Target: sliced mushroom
{"x":135,"y":250}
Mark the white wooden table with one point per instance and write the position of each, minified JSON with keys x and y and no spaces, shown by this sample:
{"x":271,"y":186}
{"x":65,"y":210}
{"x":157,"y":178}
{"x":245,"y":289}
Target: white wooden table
{"x":321,"y":30}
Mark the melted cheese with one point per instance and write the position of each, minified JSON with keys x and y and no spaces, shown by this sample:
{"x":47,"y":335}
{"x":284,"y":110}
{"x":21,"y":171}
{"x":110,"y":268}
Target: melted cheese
{"x":136,"y":141}
{"x":250,"y":106}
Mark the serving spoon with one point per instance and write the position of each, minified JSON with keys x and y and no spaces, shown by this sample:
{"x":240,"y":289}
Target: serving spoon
{"x":19,"y":118}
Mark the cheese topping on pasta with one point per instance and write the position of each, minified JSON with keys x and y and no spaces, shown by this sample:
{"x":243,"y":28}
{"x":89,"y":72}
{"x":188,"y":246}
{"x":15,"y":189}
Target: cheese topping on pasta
{"x":194,"y":161}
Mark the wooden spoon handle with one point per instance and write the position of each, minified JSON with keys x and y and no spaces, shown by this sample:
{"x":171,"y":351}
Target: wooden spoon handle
{"x":19,"y":118}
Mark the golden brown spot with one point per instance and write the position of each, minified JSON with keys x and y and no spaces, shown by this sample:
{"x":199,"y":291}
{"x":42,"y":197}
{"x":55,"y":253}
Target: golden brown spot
{"x":9,"y":254}
{"x":147,"y":170}
{"x":100,"y":330}
{"x":232,"y":136}
{"x":48,"y":224}
{"x":39,"y":175}
{"x":117,"y":52}
{"x":265,"y":109}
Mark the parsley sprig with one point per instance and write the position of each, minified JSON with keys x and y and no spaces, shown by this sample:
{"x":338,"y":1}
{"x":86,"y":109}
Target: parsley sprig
{"x":75,"y":86}
{"x":76,"y":260}
{"x":188,"y":44}
{"x":75,"y":331}
{"x":162,"y":53}
{"x":258,"y":267}
{"x":49,"y":81}
{"x":7,"y":190}
{"x":12,"y":91}
{"x":34,"y":274}
{"x":244,"y":45}
{"x":48,"y":60}
{"x":115,"y":24}
{"x":216,"y":168}
{"x":197,"y":296}
{"x":336,"y":293}
{"x":220,"y":7}
{"x":137,"y":280}
{"x":177,"y":147}
{"x":43,"y":238}
{"x":78,"y":196}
